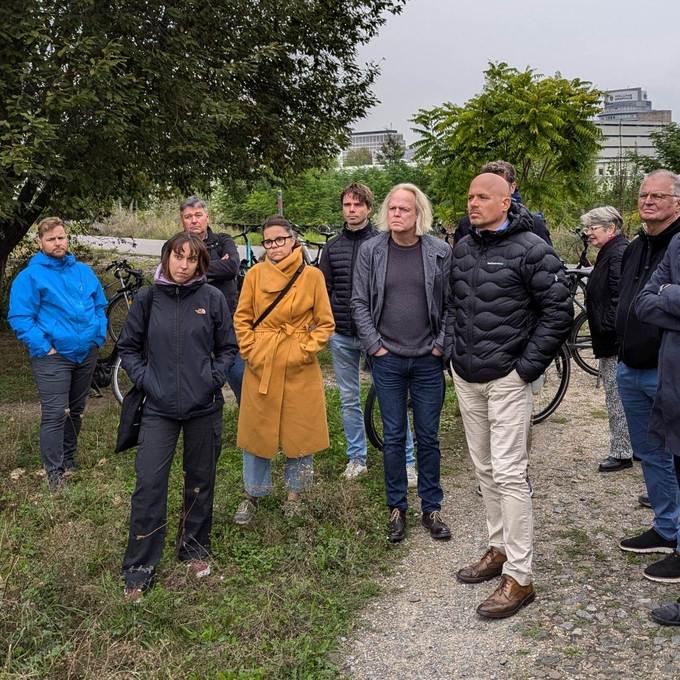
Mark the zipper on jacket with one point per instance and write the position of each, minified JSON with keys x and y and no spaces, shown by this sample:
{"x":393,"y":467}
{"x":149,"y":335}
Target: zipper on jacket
{"x":639,"y":281}
{"x":473,"y":286}
{"x":178,"y":317}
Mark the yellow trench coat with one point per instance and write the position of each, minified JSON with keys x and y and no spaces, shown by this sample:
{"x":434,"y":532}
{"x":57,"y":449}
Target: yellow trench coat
{"x":282,"y":397}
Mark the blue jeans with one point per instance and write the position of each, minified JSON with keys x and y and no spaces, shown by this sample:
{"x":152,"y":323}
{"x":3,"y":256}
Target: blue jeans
{"x":395,"y":377}
{"x":637,"y":388}
{"x":235,"y":377}
{"x":63,"y":387}
{"x":346,"y":352}
{"x":257,"y":474}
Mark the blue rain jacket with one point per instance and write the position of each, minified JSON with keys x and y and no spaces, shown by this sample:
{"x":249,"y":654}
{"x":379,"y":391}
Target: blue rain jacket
{"x":58,"y":302}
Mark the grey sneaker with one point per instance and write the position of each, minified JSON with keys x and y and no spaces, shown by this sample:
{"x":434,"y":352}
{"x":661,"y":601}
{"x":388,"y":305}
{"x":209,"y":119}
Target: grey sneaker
{"x":354,"y":470}
{"x":56,"y":481}
{"x":412,"y":476}
{"x":245,"y":513}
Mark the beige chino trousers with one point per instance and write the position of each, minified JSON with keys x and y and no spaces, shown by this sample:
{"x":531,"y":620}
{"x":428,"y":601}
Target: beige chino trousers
{"x":497,"y":419}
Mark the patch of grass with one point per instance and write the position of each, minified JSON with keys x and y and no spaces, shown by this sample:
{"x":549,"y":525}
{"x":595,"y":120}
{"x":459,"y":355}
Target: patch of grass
{"x":600,"y":413}
{"x":16,"y":379}
{"x":560,"y":420}
{"x":280,"y":596}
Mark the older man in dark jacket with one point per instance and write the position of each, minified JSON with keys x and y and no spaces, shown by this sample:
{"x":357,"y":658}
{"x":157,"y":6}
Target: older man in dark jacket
{"x":509,"y":311}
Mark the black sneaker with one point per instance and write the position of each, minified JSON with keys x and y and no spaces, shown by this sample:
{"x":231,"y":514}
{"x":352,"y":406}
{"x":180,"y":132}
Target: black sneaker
{"x":56,"y":481}
{"x":666,"y":570}
{"x":649,"y":542}
{"x":643,"y":500}
{"x":667,"y":615}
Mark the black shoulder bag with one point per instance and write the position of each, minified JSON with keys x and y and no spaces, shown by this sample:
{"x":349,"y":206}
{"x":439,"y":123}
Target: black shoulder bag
{"x":133,"y":402}
{"x":279,"y":297}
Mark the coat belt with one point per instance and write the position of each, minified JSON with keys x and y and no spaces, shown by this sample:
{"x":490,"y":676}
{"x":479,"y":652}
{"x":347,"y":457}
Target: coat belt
{"x":285,"y":330}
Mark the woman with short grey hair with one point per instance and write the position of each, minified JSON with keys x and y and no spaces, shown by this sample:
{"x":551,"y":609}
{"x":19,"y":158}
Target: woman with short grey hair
{"x":603,"y":227}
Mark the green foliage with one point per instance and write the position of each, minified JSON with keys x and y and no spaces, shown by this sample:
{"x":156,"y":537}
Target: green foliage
{"x":101,"y":100}
{"x":542,"y":125}
{"x":312,"y":197}
{"x":359,"y":156}
{"x":391,"y":151}
{"x":667,"y":144}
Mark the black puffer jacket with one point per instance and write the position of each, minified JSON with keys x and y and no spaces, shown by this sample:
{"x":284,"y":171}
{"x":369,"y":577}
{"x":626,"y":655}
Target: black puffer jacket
{"x":509,"y":306}
{"x":538,"y":226}
{"x":191,"y":345}
{"x":222,"y":273}
{"x":337,"y":264}
{"x":602,"y":296}
{"x":639,"y":342}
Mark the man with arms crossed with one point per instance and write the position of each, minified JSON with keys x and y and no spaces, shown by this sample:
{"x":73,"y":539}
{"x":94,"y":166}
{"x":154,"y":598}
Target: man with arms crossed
{"x":398,"y":305}
{"x":338,"y":259}
{"x":509,"y":311}
{"x":223,"y":269}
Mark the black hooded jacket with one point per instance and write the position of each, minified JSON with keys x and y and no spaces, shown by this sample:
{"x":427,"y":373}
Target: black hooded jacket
{"x":509,"y":305}
{"x":337,"y":264}
{"x":190,"y":347}
{"x":223,"y":273}
{"x":639,"y":342}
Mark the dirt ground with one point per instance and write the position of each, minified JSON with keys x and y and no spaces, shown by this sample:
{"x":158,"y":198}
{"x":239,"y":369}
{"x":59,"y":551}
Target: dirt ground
{"x":591,"y":615}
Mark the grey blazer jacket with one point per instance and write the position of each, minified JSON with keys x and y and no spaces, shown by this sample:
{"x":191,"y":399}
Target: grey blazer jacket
{"x":368,"y":290}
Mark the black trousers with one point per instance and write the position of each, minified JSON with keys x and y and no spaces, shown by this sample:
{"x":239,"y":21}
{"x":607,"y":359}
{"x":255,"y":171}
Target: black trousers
{"x":148,"y":516}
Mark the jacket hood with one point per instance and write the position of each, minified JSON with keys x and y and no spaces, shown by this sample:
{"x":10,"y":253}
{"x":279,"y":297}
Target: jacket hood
{"x":519,"y":219}
{"x":162,"y":280}
{"x":42,"y":260}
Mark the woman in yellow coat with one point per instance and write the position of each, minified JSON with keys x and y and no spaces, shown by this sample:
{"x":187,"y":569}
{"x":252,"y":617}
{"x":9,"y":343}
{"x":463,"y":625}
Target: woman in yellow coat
{"x":282,"y":400}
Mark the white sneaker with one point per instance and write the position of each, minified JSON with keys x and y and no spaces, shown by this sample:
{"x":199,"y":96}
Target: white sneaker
{"x":412,"y":476}
{"x":354,"y":470}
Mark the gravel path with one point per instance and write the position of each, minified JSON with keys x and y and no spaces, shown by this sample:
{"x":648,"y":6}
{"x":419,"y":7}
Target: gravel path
{"x":590,"y":618}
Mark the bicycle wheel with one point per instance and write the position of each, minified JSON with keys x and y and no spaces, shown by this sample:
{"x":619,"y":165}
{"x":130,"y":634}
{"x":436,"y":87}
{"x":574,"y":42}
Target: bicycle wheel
{"x":581,"y":345}
{"x":554,"y":387}
{"x":116,"y":313}
{"x":120,"y":381}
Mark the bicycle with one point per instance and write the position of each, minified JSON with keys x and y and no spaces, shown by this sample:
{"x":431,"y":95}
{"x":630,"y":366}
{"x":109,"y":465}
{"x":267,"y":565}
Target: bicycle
{"x":129,"y":281}
{"x":250,"y":259}
{"x":313,"y":260}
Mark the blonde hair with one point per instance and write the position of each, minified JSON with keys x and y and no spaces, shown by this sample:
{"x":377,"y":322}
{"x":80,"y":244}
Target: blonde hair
{"x":48,"y":224}
{"x":423,"y":209}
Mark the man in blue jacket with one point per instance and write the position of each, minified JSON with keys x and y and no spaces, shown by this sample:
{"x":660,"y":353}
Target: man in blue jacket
{"x":57,"y":309}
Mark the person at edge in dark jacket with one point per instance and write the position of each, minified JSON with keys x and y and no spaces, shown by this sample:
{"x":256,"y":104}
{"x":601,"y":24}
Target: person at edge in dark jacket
{"x":659,"y":304}
{"x":509,"y":311}
{"x":637,"y":374}
{"x":506,"y":170}
{"x":222,"y":272}
{"x":57,"y":308}
{"x":603,"y":228}
{"x":337,"y":264}
{"x":177,"y":345}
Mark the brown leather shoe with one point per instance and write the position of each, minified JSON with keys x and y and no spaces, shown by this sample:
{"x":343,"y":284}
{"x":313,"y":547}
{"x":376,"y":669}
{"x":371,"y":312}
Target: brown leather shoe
{"x":490,"y":566}
{"x":507,"y":599}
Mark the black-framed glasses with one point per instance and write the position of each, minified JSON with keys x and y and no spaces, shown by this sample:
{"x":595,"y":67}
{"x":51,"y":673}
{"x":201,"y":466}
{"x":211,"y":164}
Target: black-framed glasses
{"x":271,"y":242}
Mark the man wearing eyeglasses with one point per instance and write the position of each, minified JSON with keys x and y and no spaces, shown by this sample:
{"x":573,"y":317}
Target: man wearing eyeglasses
{"x":223,"y":269}
{"x":639,"y":342}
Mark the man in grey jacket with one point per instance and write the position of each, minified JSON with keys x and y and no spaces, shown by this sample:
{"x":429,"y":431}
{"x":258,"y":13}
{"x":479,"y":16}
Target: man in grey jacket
{"x":398,"y":306}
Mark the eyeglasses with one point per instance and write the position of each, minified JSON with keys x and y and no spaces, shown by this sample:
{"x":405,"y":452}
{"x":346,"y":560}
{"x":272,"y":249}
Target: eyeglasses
{"x":587,"y":230}
{"x":278,"y":241}
{"x":655,"y":196}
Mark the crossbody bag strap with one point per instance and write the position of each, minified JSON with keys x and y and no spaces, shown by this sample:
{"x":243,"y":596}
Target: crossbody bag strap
{"x":279,"y":297}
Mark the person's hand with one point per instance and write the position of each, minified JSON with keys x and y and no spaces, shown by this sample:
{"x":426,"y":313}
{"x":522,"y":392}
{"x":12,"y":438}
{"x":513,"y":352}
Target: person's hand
{"x":225,"y":256}
{"x":381,"y":352}
{"x":51,"y":352}
{"x":437,"y":352}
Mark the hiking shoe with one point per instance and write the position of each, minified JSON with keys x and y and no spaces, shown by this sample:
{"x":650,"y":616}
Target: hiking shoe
{"x":396,"y":529}
{"x":666,"y":570}
{"x":56,"y":481}
{"x":292,"y":509}
{"x":354,"y":469}
{"x":199,"y":568}
{"x":245,"y":513}
{"x":133,"y":594}
{"x":412,"y":476}
{"x":643,"y":500}
{"x":667,"y":615}
{"x":435,"y":524}
{"x":649,"y":542}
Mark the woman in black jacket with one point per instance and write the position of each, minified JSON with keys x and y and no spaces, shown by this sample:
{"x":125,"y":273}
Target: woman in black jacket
{"x":603,"y":227}
{"x":177,"y":345}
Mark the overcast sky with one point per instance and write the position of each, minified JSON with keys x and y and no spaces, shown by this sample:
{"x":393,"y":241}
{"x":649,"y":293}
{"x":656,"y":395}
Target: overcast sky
{"x":436,"y":50}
